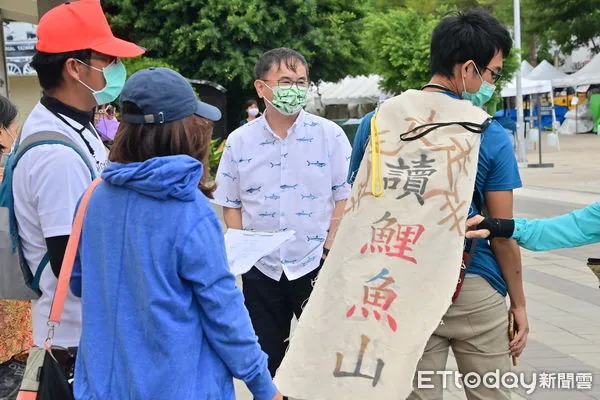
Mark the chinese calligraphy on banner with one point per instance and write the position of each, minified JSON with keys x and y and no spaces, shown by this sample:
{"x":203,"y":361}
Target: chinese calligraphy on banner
{"x":393,"y":269}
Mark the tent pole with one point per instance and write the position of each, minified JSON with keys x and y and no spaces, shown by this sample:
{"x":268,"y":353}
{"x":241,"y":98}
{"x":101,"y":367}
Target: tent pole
{"x":554,"y":120}
{"x":521,"y":154}
{"x":540,"y":164}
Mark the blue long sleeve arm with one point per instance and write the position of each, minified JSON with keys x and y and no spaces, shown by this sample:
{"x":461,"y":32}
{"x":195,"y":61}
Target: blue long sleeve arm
{"x":578,"y":228}
{"x":359,"y":146}
{"x":226,"y":321}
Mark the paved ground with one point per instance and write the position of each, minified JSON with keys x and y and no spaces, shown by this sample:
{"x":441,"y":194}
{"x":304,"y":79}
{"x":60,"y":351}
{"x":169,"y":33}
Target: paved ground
{"x":563,"y":297}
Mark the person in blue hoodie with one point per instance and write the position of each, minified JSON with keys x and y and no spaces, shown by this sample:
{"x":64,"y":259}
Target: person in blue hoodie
{"x":162,"y":316}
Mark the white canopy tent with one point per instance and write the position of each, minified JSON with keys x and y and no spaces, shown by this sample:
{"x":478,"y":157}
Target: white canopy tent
{"x":529,"y":87}
{"x":351,"y":90}
{"x":588,"y":75}
{"x":546,"y":72}
{"x":541,"y":83}
{"x":526,"y":68}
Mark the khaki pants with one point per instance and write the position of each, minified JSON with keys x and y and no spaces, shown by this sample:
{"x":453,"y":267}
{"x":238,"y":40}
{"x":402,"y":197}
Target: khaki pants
{"x":476,"y":327}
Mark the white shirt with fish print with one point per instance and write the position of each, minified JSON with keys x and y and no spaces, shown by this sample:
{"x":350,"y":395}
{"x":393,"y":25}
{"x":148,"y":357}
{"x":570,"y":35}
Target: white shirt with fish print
{"x":283,"y":184}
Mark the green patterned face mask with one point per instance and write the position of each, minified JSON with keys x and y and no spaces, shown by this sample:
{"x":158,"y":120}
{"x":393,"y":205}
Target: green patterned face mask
{"x":288,"y":100}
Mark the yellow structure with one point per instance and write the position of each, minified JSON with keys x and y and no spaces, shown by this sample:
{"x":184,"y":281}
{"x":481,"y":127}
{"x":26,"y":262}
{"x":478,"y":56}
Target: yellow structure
{"x":565,"y":101}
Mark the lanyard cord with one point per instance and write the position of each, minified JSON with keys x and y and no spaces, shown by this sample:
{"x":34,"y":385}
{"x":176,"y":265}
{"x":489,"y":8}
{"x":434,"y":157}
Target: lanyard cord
{"x":80,"y":132}
{"x":470,"y":126}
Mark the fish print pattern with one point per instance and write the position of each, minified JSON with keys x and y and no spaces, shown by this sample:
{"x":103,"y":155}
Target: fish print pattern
{"x":316,"y":164}
{"x":228,"y":175}
{"x":308,"y":260}
{"x":286,"y":187}
{"x":237,"y":202}
{"x":274,"y":196}
{"x":253,"y":189}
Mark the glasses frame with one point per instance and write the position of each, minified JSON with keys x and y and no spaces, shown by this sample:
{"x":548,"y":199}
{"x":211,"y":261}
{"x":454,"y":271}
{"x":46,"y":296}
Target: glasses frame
{"x":286,"y":83}
{"x":496,"y":76}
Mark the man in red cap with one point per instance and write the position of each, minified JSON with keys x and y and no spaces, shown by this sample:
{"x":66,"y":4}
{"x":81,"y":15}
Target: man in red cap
{"x":77,"y":62}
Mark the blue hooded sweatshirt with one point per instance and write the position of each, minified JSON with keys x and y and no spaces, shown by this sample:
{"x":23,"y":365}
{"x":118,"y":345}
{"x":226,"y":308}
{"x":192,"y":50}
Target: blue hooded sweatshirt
{"x":162,"y":316}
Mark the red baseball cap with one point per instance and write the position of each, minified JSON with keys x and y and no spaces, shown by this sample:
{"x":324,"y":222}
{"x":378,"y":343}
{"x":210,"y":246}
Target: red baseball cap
{"x":81,"y":25}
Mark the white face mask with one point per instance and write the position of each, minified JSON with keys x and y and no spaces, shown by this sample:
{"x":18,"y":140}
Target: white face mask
{"x":253,"y":112}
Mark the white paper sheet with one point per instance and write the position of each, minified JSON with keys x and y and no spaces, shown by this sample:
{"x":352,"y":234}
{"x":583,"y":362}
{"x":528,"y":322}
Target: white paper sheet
{"x":245,"y":248}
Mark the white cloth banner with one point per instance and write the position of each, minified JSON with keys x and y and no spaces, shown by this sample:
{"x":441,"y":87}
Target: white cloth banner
{"x":393,"y":269}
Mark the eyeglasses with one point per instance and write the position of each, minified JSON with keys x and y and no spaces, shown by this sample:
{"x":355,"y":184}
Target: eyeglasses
{"x":288,"y":82}
{"x":496,"y":76}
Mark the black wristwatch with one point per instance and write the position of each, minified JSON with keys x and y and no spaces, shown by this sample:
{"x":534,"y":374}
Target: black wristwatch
{"x":325,"y":251}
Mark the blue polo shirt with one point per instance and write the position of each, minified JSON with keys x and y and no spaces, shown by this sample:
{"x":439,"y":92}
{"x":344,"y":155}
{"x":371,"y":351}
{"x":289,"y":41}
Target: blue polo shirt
{"x":497,"y":170}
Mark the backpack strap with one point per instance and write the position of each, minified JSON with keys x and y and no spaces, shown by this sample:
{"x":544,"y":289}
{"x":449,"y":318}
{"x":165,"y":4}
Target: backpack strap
{"x":41,"y":138}
{"x":35,"y":282}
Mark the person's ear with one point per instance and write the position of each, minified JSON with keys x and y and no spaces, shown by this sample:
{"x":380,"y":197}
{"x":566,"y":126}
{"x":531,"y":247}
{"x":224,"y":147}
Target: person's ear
{"x":468,"y":68}
{"x":260,"y":87}
{"x":73,"y":68}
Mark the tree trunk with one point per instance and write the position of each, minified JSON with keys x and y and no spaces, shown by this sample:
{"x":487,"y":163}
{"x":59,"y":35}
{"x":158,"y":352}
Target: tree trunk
{"x":533,"y":49}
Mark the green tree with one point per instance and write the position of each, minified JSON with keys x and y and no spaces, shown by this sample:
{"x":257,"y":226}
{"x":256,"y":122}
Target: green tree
{"x":222,"y":40}
{"x":428,"y":6}
{"x":135,"y":64}
{"x":569,"y":24}
{"x":399,"y":40}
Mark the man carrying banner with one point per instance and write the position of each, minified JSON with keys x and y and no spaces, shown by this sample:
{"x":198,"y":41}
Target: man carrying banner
{"x":466,"y":60}
{"x":433,"y":157}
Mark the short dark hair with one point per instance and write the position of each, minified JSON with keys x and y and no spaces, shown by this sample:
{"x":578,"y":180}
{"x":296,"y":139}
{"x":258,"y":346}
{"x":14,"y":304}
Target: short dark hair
{"x":8,"y":112}
{"x":49,"y":66}
{"x":290,"y":57}
{"x":473,"y":35}
{"x":140,"y":142}
{"x":251,"y":102}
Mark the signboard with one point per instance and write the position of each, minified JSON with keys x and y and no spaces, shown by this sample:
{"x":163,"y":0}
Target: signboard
{"x":583,"y":88}
{"x":19,"y":43}
{"x":546,"y":109}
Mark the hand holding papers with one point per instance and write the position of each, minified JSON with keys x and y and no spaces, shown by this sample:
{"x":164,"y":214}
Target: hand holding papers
{"x":245,"y":248}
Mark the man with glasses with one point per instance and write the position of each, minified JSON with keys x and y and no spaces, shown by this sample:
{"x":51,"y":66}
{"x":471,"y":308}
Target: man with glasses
{"x":467,"y":52}
{"x":284,"y":171}
{"x":78,"y":69}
